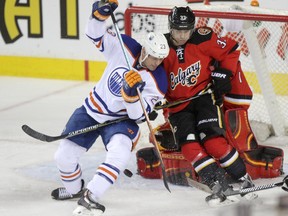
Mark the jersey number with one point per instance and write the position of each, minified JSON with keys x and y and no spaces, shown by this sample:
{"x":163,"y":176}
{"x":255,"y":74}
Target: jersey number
{"x":222,"y":43}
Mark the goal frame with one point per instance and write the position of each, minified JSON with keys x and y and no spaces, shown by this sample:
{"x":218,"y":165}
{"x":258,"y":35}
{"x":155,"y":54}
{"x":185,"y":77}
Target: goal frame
{"x":271,"y":103}
{"x":200,"y":13}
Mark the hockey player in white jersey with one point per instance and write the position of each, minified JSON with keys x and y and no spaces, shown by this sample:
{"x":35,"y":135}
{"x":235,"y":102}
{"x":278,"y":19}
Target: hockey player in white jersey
{"x":113,"y":97}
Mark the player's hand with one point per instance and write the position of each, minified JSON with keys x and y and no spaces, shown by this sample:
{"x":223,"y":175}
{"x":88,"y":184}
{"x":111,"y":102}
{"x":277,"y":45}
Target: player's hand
{"x":152,"y":116}
{"x":166,"y":140}
{"x":221,"y":79}
{"x":131,"y":82}
{"x":101,"y":10}
{"x":159,"y":105}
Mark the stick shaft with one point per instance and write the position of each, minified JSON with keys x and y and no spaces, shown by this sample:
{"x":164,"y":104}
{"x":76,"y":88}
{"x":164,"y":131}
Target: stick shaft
{"x":157,"y":151}
{"x":175,"y":103}
{"x":46,"y":138}
{"x":142,"y":104}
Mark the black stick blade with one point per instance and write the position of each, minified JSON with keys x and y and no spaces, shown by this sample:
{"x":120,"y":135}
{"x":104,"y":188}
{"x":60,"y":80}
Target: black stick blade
{"x":39,"y":136}
{"x":164,"y":177}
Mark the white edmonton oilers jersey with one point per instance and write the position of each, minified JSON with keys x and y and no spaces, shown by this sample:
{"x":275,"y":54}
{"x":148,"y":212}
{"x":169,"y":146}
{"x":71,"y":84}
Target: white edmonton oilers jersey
{"x":105,"y":102}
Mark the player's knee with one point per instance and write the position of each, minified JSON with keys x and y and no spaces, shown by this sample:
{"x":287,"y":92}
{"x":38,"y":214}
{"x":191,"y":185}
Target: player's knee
{"x":193,"y":151}
{"x":119,"y":151}
{"x":227,"y":156}
{"x":67,"y":155}
{"x":217,"y":147}
{"x":211,"y":132}
{"x":200,"y":160}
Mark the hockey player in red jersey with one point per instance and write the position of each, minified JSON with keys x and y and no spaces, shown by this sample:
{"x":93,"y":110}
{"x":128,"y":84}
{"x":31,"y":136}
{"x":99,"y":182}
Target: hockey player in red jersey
{"x":198,"y":124}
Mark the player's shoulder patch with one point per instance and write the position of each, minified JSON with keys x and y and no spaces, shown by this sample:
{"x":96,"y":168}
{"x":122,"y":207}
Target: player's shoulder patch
{"x":204,"y":30}
{"x":201,"y":35}
{"x":132,"y":45}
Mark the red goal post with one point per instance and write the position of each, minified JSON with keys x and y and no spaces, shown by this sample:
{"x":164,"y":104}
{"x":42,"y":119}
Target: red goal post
{"x":263,"y":38}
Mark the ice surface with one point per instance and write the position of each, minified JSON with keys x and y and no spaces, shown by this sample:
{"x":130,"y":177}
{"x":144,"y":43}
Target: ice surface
{"x":28,"y":172}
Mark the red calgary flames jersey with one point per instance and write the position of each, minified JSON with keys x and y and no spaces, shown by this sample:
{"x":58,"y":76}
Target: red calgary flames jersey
{"x":188,"y":66}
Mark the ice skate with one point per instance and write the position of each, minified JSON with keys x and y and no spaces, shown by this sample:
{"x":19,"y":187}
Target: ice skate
{"x":217,"y":193}
{"x":62,"y":194}
{"x":246,"y":182}
{"x":218,"y":197}
{"x":88,"y":207}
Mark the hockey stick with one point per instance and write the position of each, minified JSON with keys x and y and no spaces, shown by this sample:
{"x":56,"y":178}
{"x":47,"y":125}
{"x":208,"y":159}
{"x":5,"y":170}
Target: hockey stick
{"x":46,"y":138}
{"x":156,"y":149}
{"x":164,"y":176}
{"x":167,"y":105}
{"x":283,"y":184}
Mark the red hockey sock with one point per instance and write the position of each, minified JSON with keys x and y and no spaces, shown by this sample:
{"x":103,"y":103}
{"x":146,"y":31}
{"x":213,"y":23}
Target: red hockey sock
{"x":193,"y":152}
{"x":218,"y":147}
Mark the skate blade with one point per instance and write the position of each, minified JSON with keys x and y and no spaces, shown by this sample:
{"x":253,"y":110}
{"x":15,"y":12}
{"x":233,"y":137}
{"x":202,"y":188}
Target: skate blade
{"x":217,"y":202}
{"x":250,"y":196}
{"x":82,"y":211}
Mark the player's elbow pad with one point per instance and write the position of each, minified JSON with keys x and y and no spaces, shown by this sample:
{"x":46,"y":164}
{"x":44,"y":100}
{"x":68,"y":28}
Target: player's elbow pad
{"x":134,"y":110}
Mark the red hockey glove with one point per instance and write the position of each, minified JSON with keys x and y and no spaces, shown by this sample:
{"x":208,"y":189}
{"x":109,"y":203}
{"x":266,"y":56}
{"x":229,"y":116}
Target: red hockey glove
{"x":131,"y":82}
{"x":101,"y":10}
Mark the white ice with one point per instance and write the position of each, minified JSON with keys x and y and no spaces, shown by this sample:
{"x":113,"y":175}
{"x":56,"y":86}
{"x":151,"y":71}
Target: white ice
{"x":28,"y":172}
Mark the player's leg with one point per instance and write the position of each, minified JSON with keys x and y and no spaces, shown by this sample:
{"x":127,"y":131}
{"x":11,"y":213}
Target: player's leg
{"x":68,"y":154}
{"x":119,"y":140}
{"x":67,"y":157}
{"x":117,"y":158}
{"x":230,"y":160}
{"x":209,"y":172}
{"x":212,"y":128}
{"x":227,"y":156}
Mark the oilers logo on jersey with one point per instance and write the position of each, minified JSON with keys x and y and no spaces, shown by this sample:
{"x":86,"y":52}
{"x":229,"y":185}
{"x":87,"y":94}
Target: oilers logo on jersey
{"x":115,"y":80}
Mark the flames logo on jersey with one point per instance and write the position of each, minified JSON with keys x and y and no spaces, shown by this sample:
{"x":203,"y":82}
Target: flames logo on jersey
{"x":187,"y":77}
{"x":204,"y":31}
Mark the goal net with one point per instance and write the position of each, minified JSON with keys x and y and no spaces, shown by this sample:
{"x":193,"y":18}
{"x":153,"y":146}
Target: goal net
{"x":263,"y":37}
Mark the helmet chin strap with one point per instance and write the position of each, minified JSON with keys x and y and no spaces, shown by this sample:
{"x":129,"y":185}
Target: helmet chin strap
{"x":141,"y":60}
{"x":174,"y":41}
{"x":172,"y":38}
